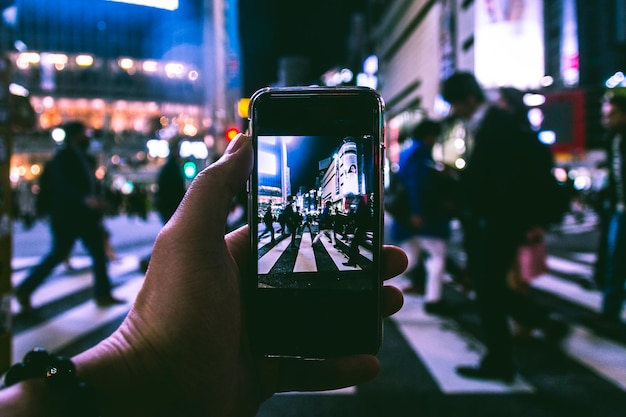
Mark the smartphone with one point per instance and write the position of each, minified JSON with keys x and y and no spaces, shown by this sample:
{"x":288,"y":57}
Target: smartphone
{"x":315,"y":207}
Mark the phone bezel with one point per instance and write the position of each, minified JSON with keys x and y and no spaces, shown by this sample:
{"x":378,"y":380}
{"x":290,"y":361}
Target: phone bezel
{"x":350,"y":321}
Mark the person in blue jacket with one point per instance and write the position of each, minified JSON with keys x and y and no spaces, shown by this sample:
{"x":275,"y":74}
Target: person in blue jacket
{"x":428,"y":228}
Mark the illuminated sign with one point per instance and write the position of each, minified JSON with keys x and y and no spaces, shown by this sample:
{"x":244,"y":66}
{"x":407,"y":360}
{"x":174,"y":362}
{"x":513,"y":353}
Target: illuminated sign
{"x":509,"y":43}
{"x":159,"y":4}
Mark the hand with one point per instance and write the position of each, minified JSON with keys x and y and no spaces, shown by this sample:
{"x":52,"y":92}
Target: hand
{"x":183,"y":349}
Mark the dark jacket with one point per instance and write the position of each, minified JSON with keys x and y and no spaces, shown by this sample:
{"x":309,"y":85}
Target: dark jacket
{"x":612,"y":186}
{"x":418,"y":174}
{"x":72,"y":181}
{"x":508,"y":178}
{"x":171,"y":189}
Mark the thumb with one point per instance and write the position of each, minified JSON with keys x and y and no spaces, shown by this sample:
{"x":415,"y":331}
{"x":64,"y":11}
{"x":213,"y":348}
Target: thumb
{"x":202,"y":214}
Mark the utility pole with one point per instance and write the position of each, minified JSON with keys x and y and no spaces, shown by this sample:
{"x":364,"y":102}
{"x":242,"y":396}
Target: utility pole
{"x":214,"y":58}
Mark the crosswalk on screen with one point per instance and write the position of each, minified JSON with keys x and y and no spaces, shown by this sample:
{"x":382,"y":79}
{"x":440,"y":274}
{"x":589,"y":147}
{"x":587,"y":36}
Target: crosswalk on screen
{"x":316,"y":212}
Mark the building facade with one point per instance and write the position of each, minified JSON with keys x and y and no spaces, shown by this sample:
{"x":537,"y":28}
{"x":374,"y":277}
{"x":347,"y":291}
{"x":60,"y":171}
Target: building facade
{"x":547,"y":48}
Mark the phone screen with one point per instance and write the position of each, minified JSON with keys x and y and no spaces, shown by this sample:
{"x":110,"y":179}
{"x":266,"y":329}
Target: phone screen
{"x":316,"y":222}
{"x":316,"y":227}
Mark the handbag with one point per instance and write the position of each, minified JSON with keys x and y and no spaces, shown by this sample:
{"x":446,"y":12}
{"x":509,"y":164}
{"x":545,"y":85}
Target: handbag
{"x":532,"y":255}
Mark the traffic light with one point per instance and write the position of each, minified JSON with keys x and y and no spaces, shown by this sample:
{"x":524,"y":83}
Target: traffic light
{"x":190,"y":169}
{"x":230,"y":133}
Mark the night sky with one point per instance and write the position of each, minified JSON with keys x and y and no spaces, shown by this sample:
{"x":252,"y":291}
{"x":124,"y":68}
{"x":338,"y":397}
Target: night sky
{"x":270,"y":29}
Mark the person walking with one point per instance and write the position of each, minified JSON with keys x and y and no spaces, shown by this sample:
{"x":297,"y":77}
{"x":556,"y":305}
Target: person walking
{"x":170,"y":190}
{"x":426,"y":234}
{"x":360,"y":220}
{"x":326,"y":223}
{"x":307,"y":220}
{"x":496,"y":202}
{"x":292,"y":221}
{"x":615,"y":255}
{"x":531,"y":316}
{"x":171,"y":184}
{"x":76,"y":212}
{"x":268,"y":219}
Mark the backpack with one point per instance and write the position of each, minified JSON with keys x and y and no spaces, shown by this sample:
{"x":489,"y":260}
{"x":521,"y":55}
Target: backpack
{"x":546,"y":200}
{"x":397,"y":200}
{"x":44,"y":200}
{"x":441,"y":194}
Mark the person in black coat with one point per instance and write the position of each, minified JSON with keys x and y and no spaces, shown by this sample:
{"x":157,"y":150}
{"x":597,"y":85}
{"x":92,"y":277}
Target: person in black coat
{"x":171,"y":184}
{"x":171,"y":189}
{"x":495,"y":215}
{"x":615,"y":256}
{"x":361,"y":218}
{"x":268,"y":219}
{"x":76,"y":212}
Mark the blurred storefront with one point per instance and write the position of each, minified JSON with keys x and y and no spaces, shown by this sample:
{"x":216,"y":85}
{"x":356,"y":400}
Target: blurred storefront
{"x":132,"y":80}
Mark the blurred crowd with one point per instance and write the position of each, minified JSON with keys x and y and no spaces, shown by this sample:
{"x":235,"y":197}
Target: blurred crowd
{"x":507,"y":195}
{"x":505,"y":207}
{"x":136,"y":203}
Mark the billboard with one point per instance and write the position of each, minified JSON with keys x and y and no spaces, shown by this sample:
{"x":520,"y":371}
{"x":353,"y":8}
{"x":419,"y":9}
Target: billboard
{"x":508,"y":43}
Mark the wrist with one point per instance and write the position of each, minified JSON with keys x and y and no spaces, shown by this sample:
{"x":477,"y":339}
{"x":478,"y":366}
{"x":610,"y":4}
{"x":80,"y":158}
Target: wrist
{"x":121,"y":369}
{"x":32,"y":397}
{"x":46,"y":384}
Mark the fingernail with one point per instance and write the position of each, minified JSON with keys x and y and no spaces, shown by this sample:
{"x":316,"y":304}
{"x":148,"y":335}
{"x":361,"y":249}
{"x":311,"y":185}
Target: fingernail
{"x":236,"y":143}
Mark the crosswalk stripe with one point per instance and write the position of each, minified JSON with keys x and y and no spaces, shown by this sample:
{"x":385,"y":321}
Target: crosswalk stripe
{"x":341,"y":391}
{"x":305,"y":261}
{"x":56,"y":287}
{"x":571,"y":225}
{"x":269,"y":259}
{"x":366,"y":252}
{"x":569,"y":291}
{"x":441,"y":348}
{"x":591,"y":299}
{"x":586,"y":257}
{"x":55,"y":290}
{"x":267,"y":238}
{"x":438,"y":343}
{"x":337,"y":257}
{"x":26,"y":263}
{"x":65,"y":328}
{"x":569,"y":267}
{"x":603,"y":356}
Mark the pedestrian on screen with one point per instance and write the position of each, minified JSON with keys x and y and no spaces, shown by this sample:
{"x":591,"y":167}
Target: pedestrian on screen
{"x":360,"y":219}
{"x":268,"y":220}
{"x":326,"y":223}
{"x":292,"y":220}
